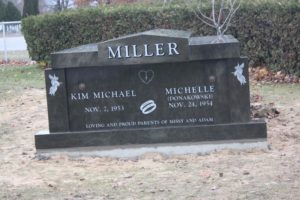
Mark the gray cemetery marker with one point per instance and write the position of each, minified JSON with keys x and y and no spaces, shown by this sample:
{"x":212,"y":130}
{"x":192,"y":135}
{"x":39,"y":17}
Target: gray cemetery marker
{"x":159,"y":86}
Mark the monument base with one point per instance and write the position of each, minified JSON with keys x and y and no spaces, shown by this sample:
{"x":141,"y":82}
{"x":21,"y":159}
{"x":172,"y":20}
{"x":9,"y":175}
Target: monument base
{"x":162,"y":135}
{"x":133,"y":151}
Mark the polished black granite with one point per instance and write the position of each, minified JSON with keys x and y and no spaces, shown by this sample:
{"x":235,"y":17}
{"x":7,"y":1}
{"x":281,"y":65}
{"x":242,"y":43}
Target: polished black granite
{"x":159,"y":86}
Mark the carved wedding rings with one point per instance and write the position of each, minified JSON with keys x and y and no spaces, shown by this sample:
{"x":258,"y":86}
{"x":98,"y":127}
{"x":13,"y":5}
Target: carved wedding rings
{"x":148,"y":107}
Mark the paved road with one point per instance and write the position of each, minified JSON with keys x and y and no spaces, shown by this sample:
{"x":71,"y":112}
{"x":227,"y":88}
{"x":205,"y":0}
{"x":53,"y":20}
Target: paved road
{"x":16,"y":43}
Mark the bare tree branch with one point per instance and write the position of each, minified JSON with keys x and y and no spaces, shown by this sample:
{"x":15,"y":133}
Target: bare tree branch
{"x":199,"y":10}
{"x":222,"y":13}
{"x":232,"y":11}
{"x":228,"y":23}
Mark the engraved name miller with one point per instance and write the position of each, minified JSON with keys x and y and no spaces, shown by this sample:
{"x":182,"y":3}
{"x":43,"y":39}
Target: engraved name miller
{"x":131,"y":51}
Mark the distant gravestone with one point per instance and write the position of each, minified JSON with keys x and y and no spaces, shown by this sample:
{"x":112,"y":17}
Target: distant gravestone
{"x":154,"y":87}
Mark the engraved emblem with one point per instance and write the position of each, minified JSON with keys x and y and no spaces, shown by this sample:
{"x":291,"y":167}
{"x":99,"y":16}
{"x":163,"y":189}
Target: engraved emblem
{"x":146,"y":76}
{"x":148,"y":107}
{"x":238,"y":73}
{"x":54,"y":84}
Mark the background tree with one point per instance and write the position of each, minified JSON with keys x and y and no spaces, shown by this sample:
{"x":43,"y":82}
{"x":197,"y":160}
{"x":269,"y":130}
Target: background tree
{"x":12,"y":13}
{"x":31,"y":7}
{"x":2,"y":11}
{"x":82,"y":3}
{"x":61,"y":5}
{"x":222,"y":12}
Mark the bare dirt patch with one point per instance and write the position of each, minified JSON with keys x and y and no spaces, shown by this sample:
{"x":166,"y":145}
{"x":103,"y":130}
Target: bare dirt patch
{"x":252,"y":174}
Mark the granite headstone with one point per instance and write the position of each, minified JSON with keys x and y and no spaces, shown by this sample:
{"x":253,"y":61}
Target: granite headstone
{"x":159,"y":86}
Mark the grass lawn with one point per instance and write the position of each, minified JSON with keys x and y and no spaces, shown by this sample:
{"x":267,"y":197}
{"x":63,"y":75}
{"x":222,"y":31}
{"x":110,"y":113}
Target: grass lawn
{"x":252,"y":174}
{"x":14,"y":79}
{"x":280,"y":94}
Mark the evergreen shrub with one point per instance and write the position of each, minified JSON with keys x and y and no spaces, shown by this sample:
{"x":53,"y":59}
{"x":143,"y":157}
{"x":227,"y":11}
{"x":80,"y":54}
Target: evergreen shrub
{"x":268,"y":31}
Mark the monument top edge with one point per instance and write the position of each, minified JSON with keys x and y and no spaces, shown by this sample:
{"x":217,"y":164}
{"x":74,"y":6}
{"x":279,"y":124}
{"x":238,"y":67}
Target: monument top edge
{"x":167,"y":33}
{"x":164,"y":33}
{"x":171,"y":33}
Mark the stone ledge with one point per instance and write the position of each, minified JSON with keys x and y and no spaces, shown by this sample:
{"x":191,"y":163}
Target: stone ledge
{"x":113,"y":137}
{"x":131,"y":151}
